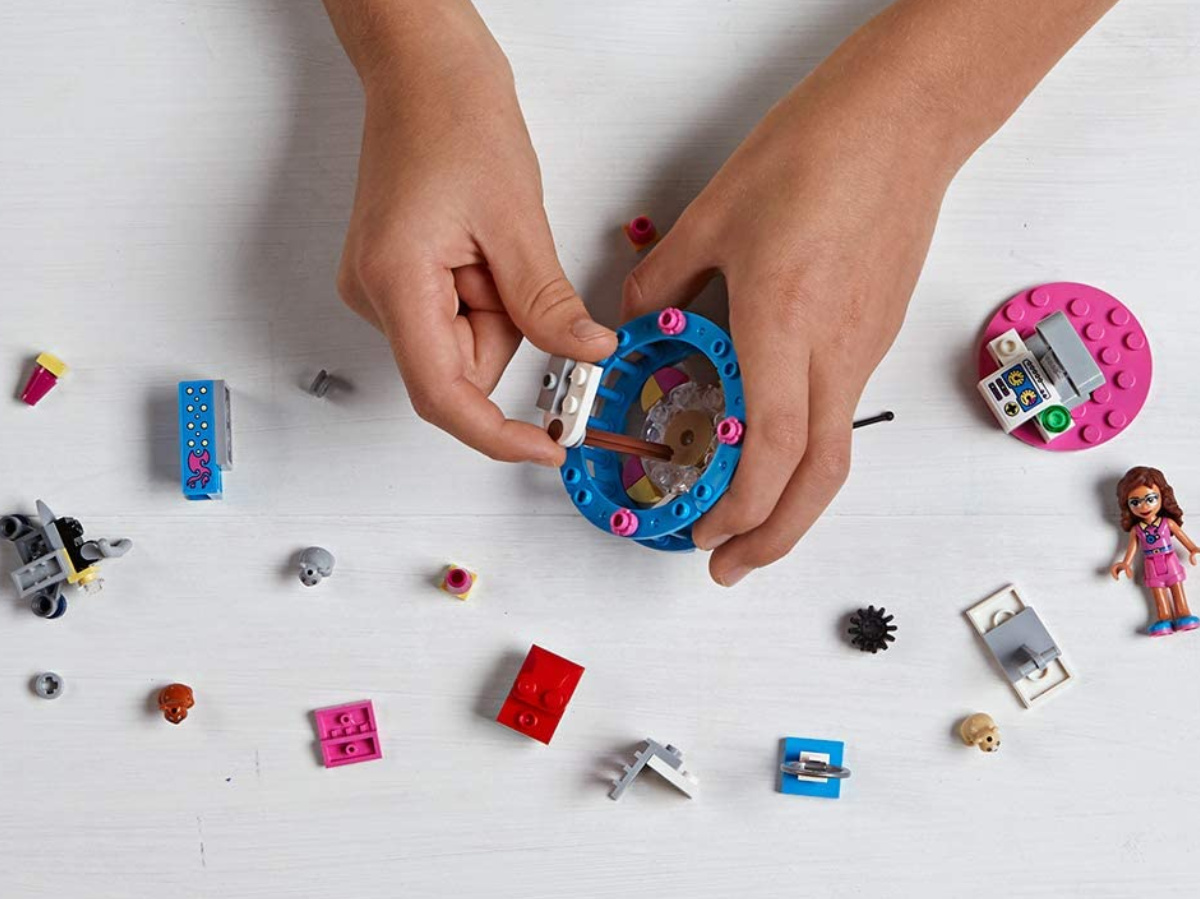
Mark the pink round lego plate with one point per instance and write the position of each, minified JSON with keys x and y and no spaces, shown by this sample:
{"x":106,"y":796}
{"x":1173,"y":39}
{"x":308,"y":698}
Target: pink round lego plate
{"x":1117,"y":342}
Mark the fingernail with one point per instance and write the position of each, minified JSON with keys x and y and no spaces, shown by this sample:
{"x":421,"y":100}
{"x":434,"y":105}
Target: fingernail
{"x":586,"y":329}
{"x":734,"y":575}
{"x":713,"y":542}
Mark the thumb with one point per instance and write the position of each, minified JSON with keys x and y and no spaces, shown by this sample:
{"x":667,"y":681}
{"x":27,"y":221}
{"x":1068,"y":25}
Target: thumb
{"x":541,"y":301}
{"x":672,"y":275}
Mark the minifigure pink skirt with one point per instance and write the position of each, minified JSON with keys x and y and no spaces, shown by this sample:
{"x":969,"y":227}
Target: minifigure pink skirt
{"x":1162,"y":570}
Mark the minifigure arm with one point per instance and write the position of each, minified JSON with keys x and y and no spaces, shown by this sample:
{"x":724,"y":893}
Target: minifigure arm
{"x":1126,"y":563}
{"x":1192,"y":548}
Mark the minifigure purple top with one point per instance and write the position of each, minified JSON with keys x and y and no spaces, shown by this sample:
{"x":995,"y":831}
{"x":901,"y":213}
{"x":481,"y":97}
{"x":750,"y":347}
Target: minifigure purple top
{"x":1155,"y":538}
{"x":1161,"y":567}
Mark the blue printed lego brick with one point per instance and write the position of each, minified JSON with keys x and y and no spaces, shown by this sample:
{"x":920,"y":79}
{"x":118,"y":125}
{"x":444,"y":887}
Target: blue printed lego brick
{"x":1018,"y":378}
{"x":204,"y":438}
{"x":794,"y":786}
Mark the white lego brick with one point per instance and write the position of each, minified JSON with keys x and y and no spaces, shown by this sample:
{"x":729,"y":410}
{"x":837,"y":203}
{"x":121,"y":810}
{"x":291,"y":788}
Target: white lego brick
{"x":1008,"y":347}
{"x":993,"y":612}
{"x":583,"y":383}
{"x":1018,"y":391}
{"x":676,"y":777}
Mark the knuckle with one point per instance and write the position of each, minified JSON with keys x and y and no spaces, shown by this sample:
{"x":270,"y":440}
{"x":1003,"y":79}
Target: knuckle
{"x":744,"y":512}
{"x":785,"y":432}
{"x":424,"y":404}
{"x":376,"y":270}
{"x":552,"y":296}
{"x":829,"y":463}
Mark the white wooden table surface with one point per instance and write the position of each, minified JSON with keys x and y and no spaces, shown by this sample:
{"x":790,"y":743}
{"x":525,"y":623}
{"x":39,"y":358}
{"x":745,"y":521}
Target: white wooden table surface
{"x":175,"y":179}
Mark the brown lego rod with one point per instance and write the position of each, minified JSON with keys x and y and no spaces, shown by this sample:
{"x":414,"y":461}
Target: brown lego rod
{"x":620,"y":443}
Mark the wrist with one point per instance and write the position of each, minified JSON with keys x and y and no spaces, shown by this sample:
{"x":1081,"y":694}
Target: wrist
{"x":389,"y":42}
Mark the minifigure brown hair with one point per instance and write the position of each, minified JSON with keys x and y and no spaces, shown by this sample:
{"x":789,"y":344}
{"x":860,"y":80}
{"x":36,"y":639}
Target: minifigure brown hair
{"x":1145,"y":476}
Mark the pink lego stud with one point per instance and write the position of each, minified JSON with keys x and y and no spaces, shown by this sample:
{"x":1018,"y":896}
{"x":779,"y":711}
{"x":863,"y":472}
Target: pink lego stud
{"x":348,"y":734}
{"x":623,"y":523}
{"x":641,"y":232}
{"x":672,"y":321}
{"x":458,"y":581}
{"x":46,"y":372}
{"x":730,"y":431}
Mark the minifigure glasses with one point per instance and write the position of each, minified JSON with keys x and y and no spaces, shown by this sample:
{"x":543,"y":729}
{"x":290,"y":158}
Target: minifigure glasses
{"x":1135,"y":502}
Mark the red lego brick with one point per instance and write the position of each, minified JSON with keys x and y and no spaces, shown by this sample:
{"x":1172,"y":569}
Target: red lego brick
{"x":540,"y":694}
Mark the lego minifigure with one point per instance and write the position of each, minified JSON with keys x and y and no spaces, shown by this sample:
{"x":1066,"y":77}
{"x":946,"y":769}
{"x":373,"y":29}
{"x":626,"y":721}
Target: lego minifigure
{"x":1152,"y":517}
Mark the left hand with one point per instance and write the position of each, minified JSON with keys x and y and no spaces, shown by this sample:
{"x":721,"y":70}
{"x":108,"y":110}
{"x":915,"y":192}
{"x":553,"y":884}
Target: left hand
{"x":820,"y":223}
{"x":1193,"y":555}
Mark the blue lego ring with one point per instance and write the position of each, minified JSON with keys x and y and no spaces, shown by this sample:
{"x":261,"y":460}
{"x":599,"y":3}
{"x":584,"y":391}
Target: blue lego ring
{"x":592,"y":476}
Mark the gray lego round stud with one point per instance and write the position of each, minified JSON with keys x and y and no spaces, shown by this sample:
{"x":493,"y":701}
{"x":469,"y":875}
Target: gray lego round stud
{"x":320,"y":384}
{"x":48,"y":685}
{"x":316,"y":564}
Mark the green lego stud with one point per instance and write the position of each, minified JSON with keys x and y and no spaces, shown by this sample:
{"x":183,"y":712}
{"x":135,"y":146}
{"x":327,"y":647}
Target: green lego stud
{"x":1056,"y":419}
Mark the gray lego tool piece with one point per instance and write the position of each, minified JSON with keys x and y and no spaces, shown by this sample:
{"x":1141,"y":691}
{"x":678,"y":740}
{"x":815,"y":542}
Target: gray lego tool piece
{"x":1022,"y":645}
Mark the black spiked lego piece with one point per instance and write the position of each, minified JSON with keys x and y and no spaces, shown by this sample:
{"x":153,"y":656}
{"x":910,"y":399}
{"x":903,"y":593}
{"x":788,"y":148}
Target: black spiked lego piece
{"x":871,"y":629}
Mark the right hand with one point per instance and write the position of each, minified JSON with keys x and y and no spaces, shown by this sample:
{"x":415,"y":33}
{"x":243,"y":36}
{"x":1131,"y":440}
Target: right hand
{"x":1119,"y":567}
{"x":449,"y":252}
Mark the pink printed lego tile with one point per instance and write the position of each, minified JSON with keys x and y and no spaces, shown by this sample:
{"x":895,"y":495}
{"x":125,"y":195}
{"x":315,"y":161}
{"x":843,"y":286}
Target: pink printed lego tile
{"x":1117,"y":342}
{"x":348,"y":734}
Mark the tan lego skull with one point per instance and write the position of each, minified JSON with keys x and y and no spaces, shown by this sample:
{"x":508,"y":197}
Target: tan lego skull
{"x":980,"y":730}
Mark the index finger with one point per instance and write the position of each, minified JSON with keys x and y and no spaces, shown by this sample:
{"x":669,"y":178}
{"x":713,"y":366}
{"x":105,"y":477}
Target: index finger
{"x":421,"y":331}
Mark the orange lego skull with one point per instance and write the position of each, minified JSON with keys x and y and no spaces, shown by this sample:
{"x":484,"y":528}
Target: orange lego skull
{"x":174,"y":701}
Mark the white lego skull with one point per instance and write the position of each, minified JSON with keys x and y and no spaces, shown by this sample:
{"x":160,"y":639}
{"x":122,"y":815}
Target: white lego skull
{"x":316,"y":564}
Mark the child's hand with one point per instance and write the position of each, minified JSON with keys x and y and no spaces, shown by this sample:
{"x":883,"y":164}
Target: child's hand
{"x":820,"y":224}
{"x":449,"y":252}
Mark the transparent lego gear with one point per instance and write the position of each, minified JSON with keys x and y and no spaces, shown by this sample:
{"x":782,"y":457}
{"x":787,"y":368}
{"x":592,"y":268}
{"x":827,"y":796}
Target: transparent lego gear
{"x":685,"y":419}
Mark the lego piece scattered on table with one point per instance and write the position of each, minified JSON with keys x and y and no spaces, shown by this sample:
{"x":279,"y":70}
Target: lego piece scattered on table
{"x":1021,"y":645}
{"x":1070,"y":360}
{"x":320,"y":384}
{"x":980,"y":730}
{"x":540,"y":694}
{"x":871,"y":629}
{"x":316,"y":564}
{"x":48,"y":685}
{"x":53,"y":552}
{"x":348,"y":734}
{"x":641,"y":232}
{"x":667,"y":761}
{"x":205,"y":438}
{"x":873,"y":420}
{"x":812,"y":768}
{"x":458,"y":581}
{"x":174,"y":701}
{"x":47,"y":369}
{"x":1151,"y":515}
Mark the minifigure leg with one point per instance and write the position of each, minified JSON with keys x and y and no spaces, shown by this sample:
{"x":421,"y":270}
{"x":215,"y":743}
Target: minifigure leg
{"x":1163,"y":603}
{"x":1180,"y":598}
